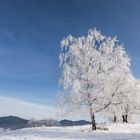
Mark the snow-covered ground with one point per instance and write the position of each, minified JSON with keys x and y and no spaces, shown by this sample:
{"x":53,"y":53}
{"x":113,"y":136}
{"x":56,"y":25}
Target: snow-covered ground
{"x":115,"y":132}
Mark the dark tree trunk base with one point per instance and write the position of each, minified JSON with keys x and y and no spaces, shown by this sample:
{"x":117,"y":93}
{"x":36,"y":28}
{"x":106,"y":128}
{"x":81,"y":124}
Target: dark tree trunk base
{"x":115,"y":119}
{"x":93,"y":123}
{"x":124,"y":117}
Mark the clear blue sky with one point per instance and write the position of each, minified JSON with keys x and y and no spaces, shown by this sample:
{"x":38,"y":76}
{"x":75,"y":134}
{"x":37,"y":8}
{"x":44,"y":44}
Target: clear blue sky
{"x":30,"y":35}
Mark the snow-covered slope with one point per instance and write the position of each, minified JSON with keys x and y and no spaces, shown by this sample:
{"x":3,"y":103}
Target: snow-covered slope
{"x":116,"y":132}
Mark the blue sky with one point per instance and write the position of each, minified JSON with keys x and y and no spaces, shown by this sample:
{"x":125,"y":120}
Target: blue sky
{"x":30,"y":35}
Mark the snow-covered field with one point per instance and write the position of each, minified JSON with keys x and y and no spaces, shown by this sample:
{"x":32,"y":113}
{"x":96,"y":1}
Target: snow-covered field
{"x":115,"y":132}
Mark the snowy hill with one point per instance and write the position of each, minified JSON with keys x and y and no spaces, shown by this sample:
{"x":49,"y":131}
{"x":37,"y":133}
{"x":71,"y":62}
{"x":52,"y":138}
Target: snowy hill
{"x":72,"y":123}
{"x":115,"y":132}
{"x":12,"y":122}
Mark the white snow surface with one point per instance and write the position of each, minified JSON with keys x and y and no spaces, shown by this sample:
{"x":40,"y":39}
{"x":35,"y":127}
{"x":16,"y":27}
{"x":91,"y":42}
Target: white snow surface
{"x":115,"y":132}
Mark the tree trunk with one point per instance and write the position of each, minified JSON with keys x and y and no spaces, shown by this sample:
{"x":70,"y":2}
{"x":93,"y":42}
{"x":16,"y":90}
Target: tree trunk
{"x":115,"y":119}
{"x":93,"y":123}
{"x":124,"y":117}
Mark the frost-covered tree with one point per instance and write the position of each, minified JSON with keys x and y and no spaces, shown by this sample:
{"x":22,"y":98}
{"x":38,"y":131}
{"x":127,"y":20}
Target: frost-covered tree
{"x":136,"y":98}
{"x":124,"y":103}
{"x":89,"y":65}
{"x":132,"y":109}
{"x":129,"y":107}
